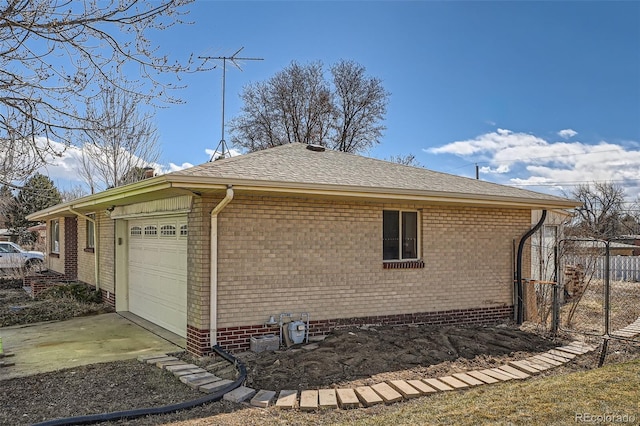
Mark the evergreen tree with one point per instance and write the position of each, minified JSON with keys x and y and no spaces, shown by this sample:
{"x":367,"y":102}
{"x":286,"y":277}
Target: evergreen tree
{"x":38,"y":193}
{"x":6,"y":202}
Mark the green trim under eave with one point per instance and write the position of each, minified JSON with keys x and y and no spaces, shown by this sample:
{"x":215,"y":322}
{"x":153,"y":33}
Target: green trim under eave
{"x":105,"y":198}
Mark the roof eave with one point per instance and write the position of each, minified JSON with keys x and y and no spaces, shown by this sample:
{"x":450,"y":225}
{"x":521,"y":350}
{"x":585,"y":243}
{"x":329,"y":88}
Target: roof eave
{"x":103,"y":199}
{"x":172,"y":184}
{"x":196,"y":183}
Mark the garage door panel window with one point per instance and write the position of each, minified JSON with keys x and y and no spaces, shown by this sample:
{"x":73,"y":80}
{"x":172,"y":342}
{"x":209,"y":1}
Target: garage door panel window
{"x":168,"y":231}
{"x":150,"y":231}
{"x":184,"y":230}
{"x":135,"y":231}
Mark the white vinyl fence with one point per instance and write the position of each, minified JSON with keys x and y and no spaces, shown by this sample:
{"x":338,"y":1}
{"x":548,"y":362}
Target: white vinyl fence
{"x":621,"y":268}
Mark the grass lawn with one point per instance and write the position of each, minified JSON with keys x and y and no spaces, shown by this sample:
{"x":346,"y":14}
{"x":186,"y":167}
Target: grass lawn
{"x":613,"y":390}
{"x":564,"y":399}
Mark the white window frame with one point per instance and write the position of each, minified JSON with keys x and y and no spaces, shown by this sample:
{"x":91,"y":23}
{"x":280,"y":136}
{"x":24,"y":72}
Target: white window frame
{"x":90,"y":232}
{"x":54,"y":234}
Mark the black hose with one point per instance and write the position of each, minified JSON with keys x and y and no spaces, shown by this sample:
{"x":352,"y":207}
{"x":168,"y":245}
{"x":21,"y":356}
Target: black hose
{"x":141,"y":412}
{"x":518,"y":283}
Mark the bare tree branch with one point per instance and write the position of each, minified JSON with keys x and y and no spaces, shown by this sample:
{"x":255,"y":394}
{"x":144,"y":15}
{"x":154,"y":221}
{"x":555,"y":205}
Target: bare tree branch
{"x":407,"y":160}
{"x":361,"y":105}
{"x":55,"y":56}
{"x":299,"y":105}
{"x":600,"y":215}
{"x":121,"y":141}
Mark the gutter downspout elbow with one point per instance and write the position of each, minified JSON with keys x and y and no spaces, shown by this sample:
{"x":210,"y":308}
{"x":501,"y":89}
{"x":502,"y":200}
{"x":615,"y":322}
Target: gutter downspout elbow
{"x":223,"y":203}
{"x":213,"y":313}
{"x":519,"y":293}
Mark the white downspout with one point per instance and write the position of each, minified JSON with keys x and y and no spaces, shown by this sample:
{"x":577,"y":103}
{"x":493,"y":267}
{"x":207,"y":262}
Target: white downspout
{"x":213,"y":315}
{"x":96,"y":251}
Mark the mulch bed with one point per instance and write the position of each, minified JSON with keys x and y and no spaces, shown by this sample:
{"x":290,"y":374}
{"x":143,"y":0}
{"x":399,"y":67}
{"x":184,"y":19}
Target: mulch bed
{"x":17,"y":307}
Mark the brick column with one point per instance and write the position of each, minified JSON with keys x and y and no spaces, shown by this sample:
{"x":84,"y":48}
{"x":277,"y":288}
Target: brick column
{"x":71,"y":248}
{"x":198,"y":276}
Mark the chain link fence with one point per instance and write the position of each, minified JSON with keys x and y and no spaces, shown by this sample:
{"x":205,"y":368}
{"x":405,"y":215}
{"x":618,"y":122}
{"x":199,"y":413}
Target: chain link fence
{"x":592,"y":290}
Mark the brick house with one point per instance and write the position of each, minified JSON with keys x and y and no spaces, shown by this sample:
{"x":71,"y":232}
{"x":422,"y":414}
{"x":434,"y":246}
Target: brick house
{"x":214,"y":251}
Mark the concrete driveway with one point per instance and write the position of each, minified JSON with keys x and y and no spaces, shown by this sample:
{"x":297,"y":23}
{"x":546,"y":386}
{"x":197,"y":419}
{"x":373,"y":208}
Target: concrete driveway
{"x":51,"y":346}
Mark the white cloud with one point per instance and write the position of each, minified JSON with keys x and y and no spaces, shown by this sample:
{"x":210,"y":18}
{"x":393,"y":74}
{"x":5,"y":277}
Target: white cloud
{"x":66,"y":166}
{"x":567,"y":133}
{"x":501,"y":169}
{"x":64,"y":169}
{"x":525,"y":159}
{"x":177,"y":167}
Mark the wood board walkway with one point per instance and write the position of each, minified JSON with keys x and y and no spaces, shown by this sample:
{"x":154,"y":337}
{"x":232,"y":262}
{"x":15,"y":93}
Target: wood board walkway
{"x":387,"y":392}
{"x":630,"y":331}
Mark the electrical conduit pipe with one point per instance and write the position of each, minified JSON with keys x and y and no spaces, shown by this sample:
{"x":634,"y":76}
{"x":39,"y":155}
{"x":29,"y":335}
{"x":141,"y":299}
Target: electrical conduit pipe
{"x":519,"y":293}
{"x":213,"y":313}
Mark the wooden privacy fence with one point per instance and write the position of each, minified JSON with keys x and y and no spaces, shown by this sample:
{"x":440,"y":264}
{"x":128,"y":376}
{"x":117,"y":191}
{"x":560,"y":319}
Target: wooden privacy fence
{"x":538,"y":301}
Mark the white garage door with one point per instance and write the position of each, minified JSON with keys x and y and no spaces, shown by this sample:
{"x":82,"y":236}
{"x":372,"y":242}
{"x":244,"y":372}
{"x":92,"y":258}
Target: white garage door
{"x":158,"y":271}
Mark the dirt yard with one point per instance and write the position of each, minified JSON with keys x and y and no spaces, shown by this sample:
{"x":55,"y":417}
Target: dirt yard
{"x":346,"y":357}
{"x":372,"y":354}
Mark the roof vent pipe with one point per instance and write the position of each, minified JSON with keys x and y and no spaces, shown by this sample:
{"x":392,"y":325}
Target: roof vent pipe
{"x":518,"y":284}
{"x":315,"y":147}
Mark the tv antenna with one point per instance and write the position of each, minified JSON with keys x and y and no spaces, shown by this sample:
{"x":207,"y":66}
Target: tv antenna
{"x":233,"y":59}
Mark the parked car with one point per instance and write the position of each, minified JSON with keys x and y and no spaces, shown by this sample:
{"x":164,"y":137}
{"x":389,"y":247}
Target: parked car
{"x":14,"y":256}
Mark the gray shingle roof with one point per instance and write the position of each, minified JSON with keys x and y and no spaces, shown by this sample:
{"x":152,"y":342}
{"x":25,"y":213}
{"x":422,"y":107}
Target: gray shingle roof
{"x":295,"y":164}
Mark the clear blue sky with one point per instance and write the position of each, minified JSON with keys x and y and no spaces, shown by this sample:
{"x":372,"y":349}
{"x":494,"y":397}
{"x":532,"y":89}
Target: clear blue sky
{"x":471,"y":82}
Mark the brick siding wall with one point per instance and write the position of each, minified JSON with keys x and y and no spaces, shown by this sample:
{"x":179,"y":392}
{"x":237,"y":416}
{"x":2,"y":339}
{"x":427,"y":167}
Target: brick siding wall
{"x":74,"y":263}
{"x":324,"y":257}
{"x":70,"y":247}
{"x":86,"y":258}
{"x":199,"y":264}
{"x":40,"y":281}
{"x":64,"y":262}
{"x":55,"y":261}
{"x":238,"y":338}
{"x":198,"y":341}
{"x":108,"y":297}
{"x":105,"y":239}
{"x":106,"y":251}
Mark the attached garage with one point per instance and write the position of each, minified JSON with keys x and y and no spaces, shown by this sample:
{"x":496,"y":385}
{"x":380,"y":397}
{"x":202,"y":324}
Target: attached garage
{"x":157,"y":265}
{"x":270,"y":226}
